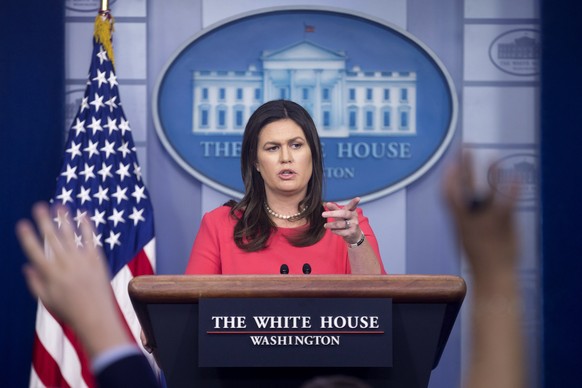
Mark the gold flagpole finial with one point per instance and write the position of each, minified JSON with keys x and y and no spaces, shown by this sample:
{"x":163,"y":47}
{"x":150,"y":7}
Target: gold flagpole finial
{"x":104,"y":28}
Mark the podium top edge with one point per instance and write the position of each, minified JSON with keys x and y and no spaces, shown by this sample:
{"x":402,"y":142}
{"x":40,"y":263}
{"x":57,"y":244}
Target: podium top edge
{"x":401,"y":288}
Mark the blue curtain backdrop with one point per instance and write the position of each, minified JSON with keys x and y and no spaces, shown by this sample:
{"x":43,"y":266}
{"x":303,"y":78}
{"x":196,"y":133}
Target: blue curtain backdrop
{"x":31,"y":137}
{"x":561,"y":139}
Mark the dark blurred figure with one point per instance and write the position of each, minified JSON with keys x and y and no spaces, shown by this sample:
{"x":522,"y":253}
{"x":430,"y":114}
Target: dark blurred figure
{"x":337,"y":381}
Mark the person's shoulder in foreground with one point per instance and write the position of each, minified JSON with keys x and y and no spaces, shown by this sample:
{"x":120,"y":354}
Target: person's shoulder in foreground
{"x":127,"y":372}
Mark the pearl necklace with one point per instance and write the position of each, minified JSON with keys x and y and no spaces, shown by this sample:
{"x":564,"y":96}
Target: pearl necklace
{"x":291,"y":217}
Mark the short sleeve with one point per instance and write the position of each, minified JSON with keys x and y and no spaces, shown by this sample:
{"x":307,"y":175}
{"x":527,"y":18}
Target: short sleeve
{"x":205,"y":254}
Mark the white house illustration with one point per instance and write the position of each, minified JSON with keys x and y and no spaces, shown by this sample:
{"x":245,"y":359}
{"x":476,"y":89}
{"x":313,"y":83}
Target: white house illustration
{"x":342,"y":102}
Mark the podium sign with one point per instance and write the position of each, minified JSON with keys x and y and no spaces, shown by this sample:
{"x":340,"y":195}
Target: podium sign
{"x":416,"y":313}
{"x":295,"y":332}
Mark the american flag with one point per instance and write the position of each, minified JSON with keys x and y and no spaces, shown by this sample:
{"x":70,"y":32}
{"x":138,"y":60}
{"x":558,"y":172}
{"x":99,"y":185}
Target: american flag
{"x":100,"y":179}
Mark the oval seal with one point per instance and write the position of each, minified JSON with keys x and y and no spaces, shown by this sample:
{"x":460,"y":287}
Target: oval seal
{"x":384,"y":105}
{"x":522,"y":168}
{"x":517,"y":52}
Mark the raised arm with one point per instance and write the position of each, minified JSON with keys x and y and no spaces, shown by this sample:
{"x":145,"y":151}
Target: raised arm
{"x":486,"y":229}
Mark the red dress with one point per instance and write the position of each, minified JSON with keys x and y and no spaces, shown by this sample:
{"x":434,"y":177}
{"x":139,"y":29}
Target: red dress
{"x":214,"y":250}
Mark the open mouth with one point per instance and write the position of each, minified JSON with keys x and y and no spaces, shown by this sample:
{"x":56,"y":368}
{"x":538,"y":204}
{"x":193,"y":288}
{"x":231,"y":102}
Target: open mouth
{"x":286,"y":174}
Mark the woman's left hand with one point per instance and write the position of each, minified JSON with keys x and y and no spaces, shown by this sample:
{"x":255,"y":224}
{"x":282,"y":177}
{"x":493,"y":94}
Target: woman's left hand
{"x":345,"y":220}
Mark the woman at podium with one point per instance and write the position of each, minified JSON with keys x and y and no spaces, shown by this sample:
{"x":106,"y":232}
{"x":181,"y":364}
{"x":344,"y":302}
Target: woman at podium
{"x":282,"y":225}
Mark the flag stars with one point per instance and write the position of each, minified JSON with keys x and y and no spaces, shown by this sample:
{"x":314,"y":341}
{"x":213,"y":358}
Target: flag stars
{"x":136,"y":216}
{"x":123,"y":171}
{"x":116,"y":217}
{"x":123,"y":149}
{"x":97,"y":102}
{"x":97,"y":240}
{"x":137,"y":171}
{"x":111,"y":125}
{"x":84,"y":195}
{"x":65,"y":196}
{"x":124,"y":126}
{"x":88,"y":172}
{"x":74,"y":150}
{"x":98,"y":218}
{"x":105,"y":171}
{"x":102,"y":55}
{"x":84,"y":104}
{"x":78,"y":240}
{"x":120,"y":194}
{"x":108,"y":148}
{"x":111,"y":103}
{"x":113,"y":239}
{"x":100,"y":180}
{"x":59,"y":219}
{"x":79,"y":126}
{"x":112,"y":80}
{"x":101,"y":194}
{"x":79,"y":217}
{"x":70,"y":173}
{"x":138,"y":193}
{"x":91,"y":148}
{"x":95,"y":125}
{"x":100,"y":78}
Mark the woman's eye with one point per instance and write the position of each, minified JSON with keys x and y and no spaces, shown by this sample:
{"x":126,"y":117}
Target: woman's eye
{"x":296,"y":145}
{"x":273,"y":148}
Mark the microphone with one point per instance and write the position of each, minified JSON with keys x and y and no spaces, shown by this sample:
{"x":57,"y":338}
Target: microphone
{"x":306,"y":269}
{"x":284,"y":269}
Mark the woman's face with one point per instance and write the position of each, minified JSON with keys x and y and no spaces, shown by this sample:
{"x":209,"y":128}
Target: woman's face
{"x":284,"y":159}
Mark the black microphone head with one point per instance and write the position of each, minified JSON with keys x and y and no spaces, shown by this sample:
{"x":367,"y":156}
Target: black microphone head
{"x":284,"y":269}
{"x":306,"y":269}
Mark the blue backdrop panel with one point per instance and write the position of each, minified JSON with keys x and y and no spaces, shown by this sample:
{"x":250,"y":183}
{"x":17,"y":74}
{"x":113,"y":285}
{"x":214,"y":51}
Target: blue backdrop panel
{"x":561,"y":139}
{"x":31,"y":107}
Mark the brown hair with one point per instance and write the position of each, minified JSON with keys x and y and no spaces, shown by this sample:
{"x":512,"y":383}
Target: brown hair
{"x":254,"y":226}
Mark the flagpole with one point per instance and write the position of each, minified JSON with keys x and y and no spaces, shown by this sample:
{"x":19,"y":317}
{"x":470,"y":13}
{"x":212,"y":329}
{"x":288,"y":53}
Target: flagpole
{"x":104,"y":28}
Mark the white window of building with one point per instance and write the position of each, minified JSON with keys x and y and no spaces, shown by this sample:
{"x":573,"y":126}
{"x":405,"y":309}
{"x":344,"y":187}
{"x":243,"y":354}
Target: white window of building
{"x":325,"y":94}
{"x":204,"y":116}
{"x":369,"y":117}
{"x":204,"y":94}
{"x":404,"y":95}
{"x":283,"y":93}
{"x":386,"y":118}
{"x":369,"y":94}
{"x":238,"y":116}
{"x":326,"y":118}
{"x":386,"y":94}
{"x":257,"y":94}
{"x":221,"y":117}
{"x":352,"y":94}
{"x":239,"y":94}
{"x":222,"y":94}
{"x":353,"y":118}
{"x":404,"y":119}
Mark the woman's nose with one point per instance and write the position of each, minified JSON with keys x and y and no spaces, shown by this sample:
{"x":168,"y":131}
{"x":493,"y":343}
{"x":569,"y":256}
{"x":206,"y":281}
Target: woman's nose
{"x":286,"y":155}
